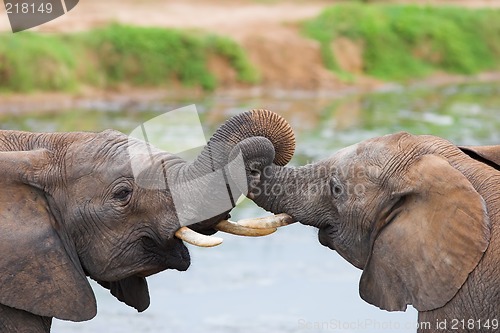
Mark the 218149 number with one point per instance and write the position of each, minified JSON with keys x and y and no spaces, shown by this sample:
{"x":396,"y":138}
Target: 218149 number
{"x":28,"y":8}
{"x":472,"y":324}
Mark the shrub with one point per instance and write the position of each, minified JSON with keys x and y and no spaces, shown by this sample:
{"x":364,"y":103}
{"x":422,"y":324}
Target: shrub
{"x":405,"y":41}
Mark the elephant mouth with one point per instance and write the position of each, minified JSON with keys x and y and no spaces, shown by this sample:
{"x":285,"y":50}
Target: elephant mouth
{"x":172,"y":255}
{"x":325,"y":239}
{"x":175,"y":255}
{"x":148,"y":272}
{"x":178,"y":259}
{"x":180,"y":264}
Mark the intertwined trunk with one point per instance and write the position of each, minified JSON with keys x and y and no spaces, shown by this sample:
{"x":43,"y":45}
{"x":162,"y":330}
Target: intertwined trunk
{"x":299,"y":192}
{"x":205,"y":190}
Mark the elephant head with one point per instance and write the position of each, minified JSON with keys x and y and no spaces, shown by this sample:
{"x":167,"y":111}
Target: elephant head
{"x":410,"y":211}
{"x":102,"y":205}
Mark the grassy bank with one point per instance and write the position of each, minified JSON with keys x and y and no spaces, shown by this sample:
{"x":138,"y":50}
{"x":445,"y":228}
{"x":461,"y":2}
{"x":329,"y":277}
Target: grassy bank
{"x":399,"y":42}
{"x":388,"y":42}
{"x":116,"y":55}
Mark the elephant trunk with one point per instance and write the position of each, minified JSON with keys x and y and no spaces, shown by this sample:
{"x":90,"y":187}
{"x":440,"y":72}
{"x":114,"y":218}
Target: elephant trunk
{"x":303,"y":192}
{"x":203,"y":191}
{"x":254,"y":123}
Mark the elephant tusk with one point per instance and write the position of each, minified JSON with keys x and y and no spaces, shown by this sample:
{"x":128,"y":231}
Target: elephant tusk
{"x":249,"y":227}
{"x":194,"y":238}
{"x":267,"y":222}
{"x":237,"y":229}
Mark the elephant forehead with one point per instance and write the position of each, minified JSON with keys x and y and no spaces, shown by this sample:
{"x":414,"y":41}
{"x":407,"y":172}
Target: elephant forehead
{"x":365,"y":159}
{"x":149,"y":165}
{"x":347,"y":152}
{"x":125,"y":151}
{"x":367,"y":152}
{"x":115,"y":156}
{"x":142,"y":155}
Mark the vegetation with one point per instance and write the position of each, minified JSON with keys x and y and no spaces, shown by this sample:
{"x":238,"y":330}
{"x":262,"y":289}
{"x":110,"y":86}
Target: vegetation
{"x":29,"y":61}
{"x":406,"y":41}
{"x":116,"y":55}
{"x":397,"y":42}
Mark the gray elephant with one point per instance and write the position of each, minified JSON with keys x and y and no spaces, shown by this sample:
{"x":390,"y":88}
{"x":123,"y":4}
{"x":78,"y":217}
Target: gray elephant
{"x":419,"y":215}
{"x":85,"y":204}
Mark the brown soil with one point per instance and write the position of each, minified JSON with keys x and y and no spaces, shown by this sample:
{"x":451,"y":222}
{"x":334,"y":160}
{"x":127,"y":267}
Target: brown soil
{"x":267,"y":30}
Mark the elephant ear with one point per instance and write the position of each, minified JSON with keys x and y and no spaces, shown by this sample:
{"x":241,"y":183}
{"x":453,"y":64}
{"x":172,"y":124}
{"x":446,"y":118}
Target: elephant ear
{"x":132,"y":291}
{"x":39,"y":269}
{"x":426,"y":246}
{"x":486,"y":154}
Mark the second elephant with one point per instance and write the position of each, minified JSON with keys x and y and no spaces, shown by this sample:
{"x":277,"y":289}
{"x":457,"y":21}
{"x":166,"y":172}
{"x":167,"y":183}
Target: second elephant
{"x":419,"y":215}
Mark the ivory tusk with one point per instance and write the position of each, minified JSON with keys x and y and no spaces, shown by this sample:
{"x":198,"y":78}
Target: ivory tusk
{"x":194,"y":238}
{"x":267,"y":222}
{"x":237,"y":229}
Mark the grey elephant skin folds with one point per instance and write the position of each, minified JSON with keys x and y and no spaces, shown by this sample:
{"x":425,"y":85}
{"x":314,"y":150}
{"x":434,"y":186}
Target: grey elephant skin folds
{"x":419,"y":215}
{"x":74,"y":205}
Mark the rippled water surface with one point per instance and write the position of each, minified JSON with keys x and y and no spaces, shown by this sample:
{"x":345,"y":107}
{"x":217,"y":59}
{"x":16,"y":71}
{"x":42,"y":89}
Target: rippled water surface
{"x":286,"y":282}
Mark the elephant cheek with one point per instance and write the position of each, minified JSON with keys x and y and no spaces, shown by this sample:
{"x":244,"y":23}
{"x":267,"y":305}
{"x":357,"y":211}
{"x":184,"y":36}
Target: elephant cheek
{"x":326,"y":239}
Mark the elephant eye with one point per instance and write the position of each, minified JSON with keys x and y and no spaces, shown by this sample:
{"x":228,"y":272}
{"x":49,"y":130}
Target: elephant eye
{"x":122,"y":193}
{"x":336,"y":188}
{"x":255,"y":173}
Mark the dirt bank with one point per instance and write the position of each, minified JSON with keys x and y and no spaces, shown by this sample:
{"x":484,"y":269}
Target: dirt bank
{"x":267,"y":30}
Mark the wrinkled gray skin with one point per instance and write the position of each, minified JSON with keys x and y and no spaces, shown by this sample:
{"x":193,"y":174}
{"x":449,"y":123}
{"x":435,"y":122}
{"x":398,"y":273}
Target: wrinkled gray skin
{"x":71,"y":206}
{"x":419,"y":215}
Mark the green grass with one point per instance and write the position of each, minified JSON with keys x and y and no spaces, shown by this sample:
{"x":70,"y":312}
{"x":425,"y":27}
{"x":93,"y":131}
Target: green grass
{"x":236,"y":56}
{"x":31,"y":61}
{"x":408,"y":41}
{"x":116,"y":55}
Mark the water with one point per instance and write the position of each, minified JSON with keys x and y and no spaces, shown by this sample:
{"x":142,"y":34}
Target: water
{"x":286,"y":282}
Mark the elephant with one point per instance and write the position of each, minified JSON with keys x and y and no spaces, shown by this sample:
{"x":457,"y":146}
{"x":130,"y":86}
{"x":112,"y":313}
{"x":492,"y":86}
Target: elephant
{"x":417,"y":214}
{"x":83,"y":204}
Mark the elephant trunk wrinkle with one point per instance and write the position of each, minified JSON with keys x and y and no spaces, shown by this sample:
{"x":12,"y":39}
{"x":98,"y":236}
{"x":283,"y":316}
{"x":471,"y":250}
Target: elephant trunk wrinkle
{"x":295,"y":191}
{"x":204,"y":187}
{"x":246,"y":125}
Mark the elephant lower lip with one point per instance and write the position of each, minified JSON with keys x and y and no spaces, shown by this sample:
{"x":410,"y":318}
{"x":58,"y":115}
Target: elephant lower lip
{"x":183,"y":264}
{"x":324,"y":239}
{"x":178,"y":264}
{"x":172,"y":254}
{"x":148,"y":272}
{"x":178,"y":257}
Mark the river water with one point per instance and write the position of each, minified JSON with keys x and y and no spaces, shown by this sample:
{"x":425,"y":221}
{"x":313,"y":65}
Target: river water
{"x":286,"y":282}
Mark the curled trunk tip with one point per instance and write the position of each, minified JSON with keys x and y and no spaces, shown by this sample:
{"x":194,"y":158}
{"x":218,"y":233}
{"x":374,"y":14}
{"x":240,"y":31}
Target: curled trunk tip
{"x":253,"y":123}
{"x":274,"y":127}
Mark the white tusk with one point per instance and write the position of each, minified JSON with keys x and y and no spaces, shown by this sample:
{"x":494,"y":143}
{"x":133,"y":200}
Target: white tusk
{"x":236,"y":229}
{"x":194,"y":238}
{"x":267,"y":222}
